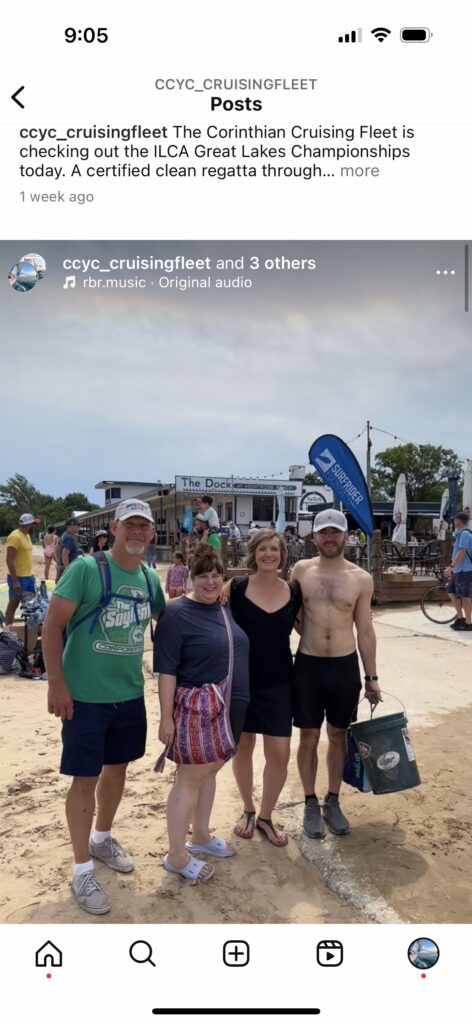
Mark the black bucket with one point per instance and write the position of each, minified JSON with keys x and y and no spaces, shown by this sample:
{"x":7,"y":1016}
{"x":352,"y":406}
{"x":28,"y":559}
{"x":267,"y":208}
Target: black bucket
{"x":387,"y":754}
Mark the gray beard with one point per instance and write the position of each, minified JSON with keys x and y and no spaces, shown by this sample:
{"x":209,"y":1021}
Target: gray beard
{"x":135,"y":548}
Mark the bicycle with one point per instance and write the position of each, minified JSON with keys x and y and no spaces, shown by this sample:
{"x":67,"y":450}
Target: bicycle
{"x":436,"y":603}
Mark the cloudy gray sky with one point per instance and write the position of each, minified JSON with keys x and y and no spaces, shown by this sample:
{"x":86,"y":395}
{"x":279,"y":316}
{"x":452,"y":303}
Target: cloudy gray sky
{"x":145,"y":384}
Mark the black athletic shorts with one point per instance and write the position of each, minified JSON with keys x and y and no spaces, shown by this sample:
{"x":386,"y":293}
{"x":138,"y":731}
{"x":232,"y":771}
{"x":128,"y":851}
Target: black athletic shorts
{"x":237,"y":714}
{"x":326,"y":687}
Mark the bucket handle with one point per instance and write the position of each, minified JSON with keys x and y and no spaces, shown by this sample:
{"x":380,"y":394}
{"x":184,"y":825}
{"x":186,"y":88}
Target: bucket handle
{"x":374,"y":706}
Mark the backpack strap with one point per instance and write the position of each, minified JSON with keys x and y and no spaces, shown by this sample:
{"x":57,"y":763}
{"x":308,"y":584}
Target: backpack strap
{"x":103,"y":566}
{"x":147,"y":577}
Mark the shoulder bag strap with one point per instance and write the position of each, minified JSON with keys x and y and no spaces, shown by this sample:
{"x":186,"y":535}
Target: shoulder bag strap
{"x":231,"y":656}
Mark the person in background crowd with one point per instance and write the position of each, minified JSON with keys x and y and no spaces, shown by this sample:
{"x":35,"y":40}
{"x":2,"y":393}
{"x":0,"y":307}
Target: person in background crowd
{"x":209,"y":514}
{"x":100,"y":541}
{"x":203,"y":534}
{"x":384,"y":528}
{"x":20,"y":576}
{"x":151,"y":553}
{"x":459,"y":573}
{"x":234,"y":531}
{"x":177,"y":576}
{"x":68,"y":549}
{"x":50,"y":542}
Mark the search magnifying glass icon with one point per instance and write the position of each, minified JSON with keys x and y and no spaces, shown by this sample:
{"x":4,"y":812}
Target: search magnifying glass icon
{"x":141,"y":952}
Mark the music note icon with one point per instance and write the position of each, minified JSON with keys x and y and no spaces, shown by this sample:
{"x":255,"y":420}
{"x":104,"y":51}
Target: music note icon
{"x":69,"y":282}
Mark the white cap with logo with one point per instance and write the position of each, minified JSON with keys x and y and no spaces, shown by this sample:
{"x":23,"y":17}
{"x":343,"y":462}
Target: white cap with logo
{"x":27,"y":519}
{"x":133,"y":507}
{"x":330,"y":517}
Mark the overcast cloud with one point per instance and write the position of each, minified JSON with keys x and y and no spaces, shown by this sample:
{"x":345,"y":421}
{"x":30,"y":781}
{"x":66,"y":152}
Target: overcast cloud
{"x":147,"y":384}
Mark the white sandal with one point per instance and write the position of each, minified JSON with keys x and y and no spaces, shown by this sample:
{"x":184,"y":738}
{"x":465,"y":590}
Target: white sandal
{"x":191,"y":871}
{"x":215,"y":848}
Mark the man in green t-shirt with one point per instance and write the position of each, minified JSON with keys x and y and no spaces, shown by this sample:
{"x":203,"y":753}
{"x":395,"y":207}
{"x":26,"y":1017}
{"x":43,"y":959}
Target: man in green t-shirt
{"x":96,"y":686}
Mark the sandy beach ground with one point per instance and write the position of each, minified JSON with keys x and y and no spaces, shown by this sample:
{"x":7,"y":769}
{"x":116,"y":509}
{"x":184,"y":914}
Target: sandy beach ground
{"x":408,"y":857}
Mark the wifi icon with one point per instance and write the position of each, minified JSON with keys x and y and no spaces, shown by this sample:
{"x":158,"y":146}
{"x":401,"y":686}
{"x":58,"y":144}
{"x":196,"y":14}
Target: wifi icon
{"x":380,"y":33}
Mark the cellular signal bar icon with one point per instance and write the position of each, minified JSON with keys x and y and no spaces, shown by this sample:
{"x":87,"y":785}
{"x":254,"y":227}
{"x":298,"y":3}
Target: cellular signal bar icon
{"x":355,"y":36}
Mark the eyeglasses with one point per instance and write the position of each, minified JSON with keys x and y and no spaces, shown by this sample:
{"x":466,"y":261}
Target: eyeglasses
{"x":136,"y":527}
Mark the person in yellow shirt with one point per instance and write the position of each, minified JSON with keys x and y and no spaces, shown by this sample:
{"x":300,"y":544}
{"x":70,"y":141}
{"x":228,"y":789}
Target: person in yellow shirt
{"x":20,"y":577}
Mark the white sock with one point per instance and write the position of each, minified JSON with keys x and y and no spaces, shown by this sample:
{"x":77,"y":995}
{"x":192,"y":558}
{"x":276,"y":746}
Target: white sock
{"x":81,"y":869}
{"x":99,"y":837}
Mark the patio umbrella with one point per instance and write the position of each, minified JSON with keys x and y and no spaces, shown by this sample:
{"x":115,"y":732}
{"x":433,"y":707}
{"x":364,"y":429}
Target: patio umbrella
{"x":400,"y":511}
{"x":188,"y":523}
{"x":467,"y":488}
{"x":443,"y":514}
{"x":452,"y":482}
{"x":280,"y":524}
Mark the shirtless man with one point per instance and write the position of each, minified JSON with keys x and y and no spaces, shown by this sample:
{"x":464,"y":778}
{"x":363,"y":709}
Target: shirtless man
{"x":336,"y":595}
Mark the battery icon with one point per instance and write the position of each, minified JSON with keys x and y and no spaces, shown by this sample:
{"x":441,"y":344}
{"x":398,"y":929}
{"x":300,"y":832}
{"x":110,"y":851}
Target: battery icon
{"x":415,"y":35}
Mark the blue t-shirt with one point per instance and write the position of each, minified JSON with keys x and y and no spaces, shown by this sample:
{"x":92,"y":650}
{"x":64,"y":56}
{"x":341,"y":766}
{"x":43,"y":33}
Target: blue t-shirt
{"x":463,"y":541}
{"x":192,"y":644}
{"x":69,"y":541}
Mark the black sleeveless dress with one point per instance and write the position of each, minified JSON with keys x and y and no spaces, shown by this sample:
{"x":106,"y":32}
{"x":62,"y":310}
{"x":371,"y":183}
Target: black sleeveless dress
{"x":270,"y":659}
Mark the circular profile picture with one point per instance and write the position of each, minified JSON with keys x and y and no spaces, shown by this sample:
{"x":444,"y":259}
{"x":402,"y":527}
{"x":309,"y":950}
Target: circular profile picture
{"x":37,"y":261}
{"x":23,"y":276}
{"x":423,"y":954}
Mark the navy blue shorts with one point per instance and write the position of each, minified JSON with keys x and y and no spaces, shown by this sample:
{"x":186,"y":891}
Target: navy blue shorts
{"x":101,"y":734}
{"x":460,"y":584}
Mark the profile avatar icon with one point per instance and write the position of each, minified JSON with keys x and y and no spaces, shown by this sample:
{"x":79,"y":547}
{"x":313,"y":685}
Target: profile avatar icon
{"x":27,"y":272}
{"x":38,"y":262}
{"x":423,"y":954}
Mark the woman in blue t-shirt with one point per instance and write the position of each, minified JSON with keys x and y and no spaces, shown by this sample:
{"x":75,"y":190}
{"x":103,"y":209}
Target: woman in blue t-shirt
{"x":192,"y":649}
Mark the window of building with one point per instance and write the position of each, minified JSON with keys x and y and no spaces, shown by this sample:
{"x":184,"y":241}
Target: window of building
{"x":112,"y":493}
{"x":229,"y":511}
{"x":263,"y":509}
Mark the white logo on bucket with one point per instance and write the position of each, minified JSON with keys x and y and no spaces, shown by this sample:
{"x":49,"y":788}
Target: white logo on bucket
{"x":388,"y":760}
{"x":364,"y":749}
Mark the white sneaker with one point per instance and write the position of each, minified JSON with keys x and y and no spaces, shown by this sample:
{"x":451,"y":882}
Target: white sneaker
{"x":89,"y":893}
{"x":112,"y":854}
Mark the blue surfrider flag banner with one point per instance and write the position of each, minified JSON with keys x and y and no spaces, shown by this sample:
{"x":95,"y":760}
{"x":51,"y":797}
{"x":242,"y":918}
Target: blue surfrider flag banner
{"x":341,"y":471}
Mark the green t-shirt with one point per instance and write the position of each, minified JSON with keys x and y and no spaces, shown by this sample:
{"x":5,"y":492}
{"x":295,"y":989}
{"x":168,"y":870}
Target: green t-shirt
{"x":214,"y":540}
{"x":105,"y":666}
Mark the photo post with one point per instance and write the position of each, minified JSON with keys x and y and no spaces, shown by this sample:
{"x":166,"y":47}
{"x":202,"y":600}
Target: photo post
{"x":235,"y":526}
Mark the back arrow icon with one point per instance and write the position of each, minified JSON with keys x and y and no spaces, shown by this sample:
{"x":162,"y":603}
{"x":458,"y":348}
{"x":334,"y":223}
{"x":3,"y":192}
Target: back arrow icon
{"x":14,"y":97}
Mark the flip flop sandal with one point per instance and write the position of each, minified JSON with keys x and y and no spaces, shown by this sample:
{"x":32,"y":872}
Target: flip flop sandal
{"x":215,"y":848}
{"x":249,"y":816}
{"x":269,"y":823}
{"x":191,"y":871}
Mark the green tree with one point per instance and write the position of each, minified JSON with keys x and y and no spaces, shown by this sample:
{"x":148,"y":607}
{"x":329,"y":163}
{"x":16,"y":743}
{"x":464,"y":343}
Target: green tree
{"x":312,"y":478}
{"x":19,"y":495}
{"x":78,"y":502}
{"x":425,"y":466}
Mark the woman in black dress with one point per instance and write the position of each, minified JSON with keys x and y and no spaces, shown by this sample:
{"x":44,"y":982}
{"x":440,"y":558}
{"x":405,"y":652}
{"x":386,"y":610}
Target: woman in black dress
{"x":265,"y":607}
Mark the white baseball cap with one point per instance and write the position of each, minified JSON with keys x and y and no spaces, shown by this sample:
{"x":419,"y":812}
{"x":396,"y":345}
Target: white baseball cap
{"x":330,"y":517}
{"x":133,"y":507}
{"x":27,"y":519}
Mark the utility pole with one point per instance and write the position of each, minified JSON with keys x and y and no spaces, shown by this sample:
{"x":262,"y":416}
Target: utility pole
{"x":368,"y":478}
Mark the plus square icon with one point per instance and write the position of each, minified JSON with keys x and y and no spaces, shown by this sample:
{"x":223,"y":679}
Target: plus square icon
{"x":236,"y":953}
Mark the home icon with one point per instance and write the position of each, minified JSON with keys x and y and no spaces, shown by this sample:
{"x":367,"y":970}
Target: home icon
{"x":48,"y":955}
